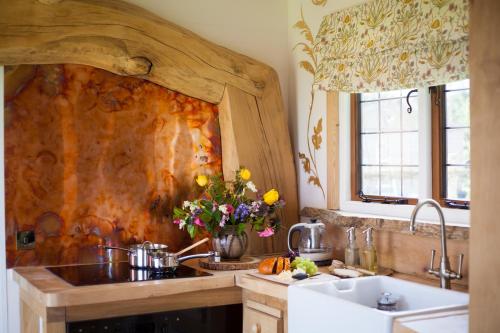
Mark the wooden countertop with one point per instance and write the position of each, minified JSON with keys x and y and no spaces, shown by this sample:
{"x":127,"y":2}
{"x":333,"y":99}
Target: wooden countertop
{"x":51,"y":291}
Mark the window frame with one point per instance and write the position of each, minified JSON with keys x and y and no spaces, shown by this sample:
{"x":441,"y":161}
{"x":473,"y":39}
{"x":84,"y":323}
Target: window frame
{"x":355,"y":138}
{"x":439,"y":181}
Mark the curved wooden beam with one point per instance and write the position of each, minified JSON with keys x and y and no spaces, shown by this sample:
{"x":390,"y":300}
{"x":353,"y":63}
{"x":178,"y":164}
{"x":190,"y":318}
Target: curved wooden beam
{"x":127,"y":40}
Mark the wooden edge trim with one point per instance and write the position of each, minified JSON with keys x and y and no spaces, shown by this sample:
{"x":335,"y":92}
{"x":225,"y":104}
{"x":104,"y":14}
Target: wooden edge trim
{"x":332,"y":150}
{"x":355,"y":183}
{"x":264,"y":308}
{"x":385,"y":224}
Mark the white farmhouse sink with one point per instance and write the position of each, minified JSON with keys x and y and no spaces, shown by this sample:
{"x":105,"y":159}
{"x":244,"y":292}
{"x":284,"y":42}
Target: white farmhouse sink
{"x":350,"y":305}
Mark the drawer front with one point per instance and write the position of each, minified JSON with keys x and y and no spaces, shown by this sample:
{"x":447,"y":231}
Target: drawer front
{"x":259,"y":322}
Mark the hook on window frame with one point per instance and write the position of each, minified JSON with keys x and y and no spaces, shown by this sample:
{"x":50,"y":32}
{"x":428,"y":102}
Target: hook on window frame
{"x":410,"y":109}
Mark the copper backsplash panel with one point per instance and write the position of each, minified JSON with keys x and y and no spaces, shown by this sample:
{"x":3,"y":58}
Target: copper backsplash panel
{"x":93,"y":157}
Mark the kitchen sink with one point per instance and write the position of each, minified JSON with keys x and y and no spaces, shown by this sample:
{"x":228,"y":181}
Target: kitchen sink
{"x":350,"y":305}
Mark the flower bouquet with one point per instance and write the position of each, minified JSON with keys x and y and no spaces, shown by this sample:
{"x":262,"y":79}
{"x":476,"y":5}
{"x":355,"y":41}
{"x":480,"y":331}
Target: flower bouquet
{"x":224,"y":211}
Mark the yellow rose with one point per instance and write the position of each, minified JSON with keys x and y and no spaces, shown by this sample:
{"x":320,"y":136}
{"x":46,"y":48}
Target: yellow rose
{"x":404,"y":56}
{"x":271,"y":197}
{"x":202,"y":180}
{"x":347,"y":19}
{"x":245,"y":174}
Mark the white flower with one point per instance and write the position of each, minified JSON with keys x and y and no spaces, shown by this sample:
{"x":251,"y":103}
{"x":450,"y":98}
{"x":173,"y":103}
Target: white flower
{"x":251,"y":186}
{"x":182,"y":224}
{"x":186,"y":204}
{"x":223,"y":209}
{"x":223,"y":221}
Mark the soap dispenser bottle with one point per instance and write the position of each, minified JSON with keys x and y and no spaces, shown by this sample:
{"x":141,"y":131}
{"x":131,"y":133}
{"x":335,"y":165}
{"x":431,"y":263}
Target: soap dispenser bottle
{"x":369,"y":252}
{"x":351,"y":250}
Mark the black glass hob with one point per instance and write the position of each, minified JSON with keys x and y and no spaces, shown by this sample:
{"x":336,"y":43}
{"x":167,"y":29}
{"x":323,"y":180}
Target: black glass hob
{"x":117,"y":272}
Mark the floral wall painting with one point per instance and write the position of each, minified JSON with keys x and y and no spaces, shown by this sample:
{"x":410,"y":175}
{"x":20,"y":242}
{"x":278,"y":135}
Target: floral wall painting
{"x":309,"y":160}
{"x":319,"y":2}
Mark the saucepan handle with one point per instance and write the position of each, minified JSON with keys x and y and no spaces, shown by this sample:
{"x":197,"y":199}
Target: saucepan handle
{"x":115,"y":248}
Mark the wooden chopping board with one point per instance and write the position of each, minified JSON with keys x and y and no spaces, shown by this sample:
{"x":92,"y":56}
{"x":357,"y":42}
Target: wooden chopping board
{"x":230,"y":265}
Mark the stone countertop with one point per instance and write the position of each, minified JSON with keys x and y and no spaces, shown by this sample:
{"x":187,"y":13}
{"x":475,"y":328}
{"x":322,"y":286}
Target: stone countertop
{"x":344,"y":219}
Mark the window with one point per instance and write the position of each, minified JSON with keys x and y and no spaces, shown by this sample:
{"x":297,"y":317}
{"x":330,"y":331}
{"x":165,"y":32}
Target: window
{"x":384,"y":147}
{"x":451,"y":144}
{"x":385,"y":141}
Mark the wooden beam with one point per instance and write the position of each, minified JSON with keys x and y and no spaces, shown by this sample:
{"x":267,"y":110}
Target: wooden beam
{"x":332,"y":150}
{"x":124,"y":39}
{"x":485,"y":159}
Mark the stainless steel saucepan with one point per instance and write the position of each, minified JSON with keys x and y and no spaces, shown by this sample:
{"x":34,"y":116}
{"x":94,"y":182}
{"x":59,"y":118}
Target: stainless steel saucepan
{"x":168,"y":262}
{"x":139,"y":255}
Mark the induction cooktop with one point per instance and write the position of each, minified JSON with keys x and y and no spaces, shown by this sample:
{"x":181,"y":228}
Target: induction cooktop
{"x":117,"y":272}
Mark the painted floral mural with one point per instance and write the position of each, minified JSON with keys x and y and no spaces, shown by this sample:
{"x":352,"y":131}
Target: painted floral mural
{"x":309,"y":160}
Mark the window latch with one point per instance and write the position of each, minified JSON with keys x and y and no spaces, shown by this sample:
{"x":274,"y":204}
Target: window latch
{"x":384,"y":200}
{"x":454,"y":204}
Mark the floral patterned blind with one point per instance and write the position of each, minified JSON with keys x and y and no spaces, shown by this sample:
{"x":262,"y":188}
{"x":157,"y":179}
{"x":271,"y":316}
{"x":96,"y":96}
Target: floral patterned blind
{"x":393,"y":44}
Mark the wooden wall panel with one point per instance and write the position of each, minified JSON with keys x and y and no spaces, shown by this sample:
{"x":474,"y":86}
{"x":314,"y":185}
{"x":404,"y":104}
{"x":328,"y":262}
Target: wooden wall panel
{"x":258,"y":136}
{"x":332,"y":150}
{"x":485,"y":161}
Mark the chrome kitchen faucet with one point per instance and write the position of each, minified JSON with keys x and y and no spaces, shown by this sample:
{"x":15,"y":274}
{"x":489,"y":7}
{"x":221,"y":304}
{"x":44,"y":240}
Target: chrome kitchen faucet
{"x":444,"y":273}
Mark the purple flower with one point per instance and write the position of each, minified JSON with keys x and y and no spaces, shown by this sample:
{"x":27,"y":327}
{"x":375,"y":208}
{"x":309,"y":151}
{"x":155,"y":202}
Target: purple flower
{"x":241,"y":212}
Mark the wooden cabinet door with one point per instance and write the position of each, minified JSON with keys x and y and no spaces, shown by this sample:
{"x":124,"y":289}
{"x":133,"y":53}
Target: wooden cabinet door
{"x":258,"y":322}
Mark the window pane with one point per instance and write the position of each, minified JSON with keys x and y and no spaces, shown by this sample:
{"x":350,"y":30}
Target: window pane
{"x":458,"y":146}
{"x":369,"y":117}
{"x":457,"y":108}
{"x":410,"y":120}
{"x":390,"y":94}
{"x":458,"y":182}
{"x":370,"y":180}
{"x":369,"y":96}
{"x":410,"y":182}
{"x":390,"y":115}
{"x":389,"y":137}
{"x":390,"y":181}
{"x":390,"y":148}
{"x":410,"y":148}
{"x":369,"y":149}
{"x":464,"y":84}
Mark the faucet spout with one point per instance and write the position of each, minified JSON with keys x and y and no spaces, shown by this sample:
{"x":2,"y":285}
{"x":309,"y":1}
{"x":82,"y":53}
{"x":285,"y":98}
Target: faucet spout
{"x":444,"y":268}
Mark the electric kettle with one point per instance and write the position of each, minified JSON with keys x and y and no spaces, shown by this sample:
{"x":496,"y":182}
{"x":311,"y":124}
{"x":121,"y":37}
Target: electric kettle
{"x":314,"y":243}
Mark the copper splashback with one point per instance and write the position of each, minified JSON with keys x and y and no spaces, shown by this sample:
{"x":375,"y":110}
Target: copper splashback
{"x":93,"y":157}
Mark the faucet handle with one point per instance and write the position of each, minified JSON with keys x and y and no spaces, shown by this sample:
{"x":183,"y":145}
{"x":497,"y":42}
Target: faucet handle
{"x":460,"y":262}
{"x":431,"y":266}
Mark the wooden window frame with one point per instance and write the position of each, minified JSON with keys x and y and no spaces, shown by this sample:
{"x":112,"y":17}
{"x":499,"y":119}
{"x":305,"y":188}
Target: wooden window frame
{"x":356,"y":155}
{"x":438,"y":114}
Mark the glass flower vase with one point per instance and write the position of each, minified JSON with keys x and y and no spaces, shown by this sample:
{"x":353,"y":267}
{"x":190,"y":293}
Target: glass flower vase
{"x":229,"y":244}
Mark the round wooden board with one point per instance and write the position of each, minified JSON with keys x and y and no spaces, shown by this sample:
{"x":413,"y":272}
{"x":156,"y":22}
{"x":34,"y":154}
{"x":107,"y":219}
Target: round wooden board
{"x":233,"y":265}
